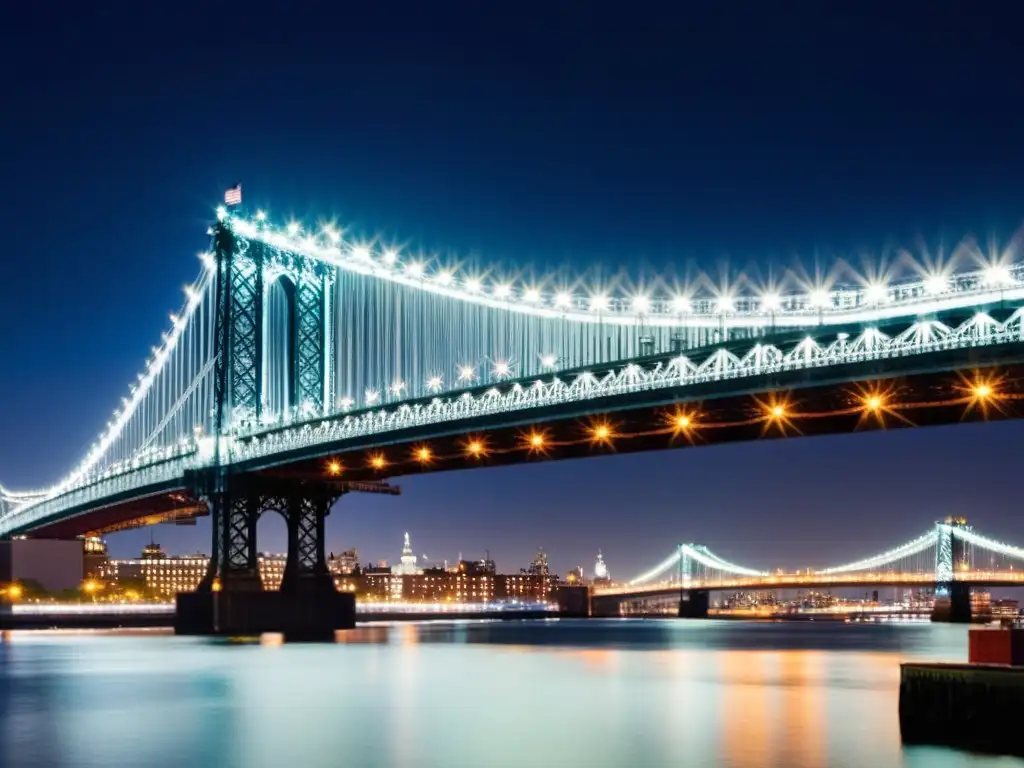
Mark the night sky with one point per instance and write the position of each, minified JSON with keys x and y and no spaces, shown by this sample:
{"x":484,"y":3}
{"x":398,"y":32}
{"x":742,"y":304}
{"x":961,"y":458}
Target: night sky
{"x":548,"y":134}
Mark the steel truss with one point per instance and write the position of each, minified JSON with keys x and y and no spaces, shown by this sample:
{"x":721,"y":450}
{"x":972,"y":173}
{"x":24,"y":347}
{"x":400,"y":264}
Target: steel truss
{"x":310,"y":342}
{"x":248,"y":441}
{"x":236,"y":510}
{"x":700,"y":367}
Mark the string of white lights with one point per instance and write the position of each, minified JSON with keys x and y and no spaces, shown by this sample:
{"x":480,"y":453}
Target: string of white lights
{"x":149,"y":384}
{"x":989,"y":544}
{"x":998,"y":278}
{"x":704,"y":556}
{"x":885,"y":558}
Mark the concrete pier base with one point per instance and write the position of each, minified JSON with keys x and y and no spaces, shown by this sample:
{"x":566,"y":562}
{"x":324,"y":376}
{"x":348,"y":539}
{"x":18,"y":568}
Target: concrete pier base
{"x":956,"y":608}
{"x":312,"y":616}
{"x":961,"y":705}
{"x":573,"y":601}
{"x":694,"y":604}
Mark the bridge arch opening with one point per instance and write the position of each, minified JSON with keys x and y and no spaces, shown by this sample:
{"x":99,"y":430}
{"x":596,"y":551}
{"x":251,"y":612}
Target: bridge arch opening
{"x":279,"y":333}
{"x":272,"y":546}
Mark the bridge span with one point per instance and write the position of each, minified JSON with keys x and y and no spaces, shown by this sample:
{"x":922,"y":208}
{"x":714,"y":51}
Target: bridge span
{"x":951,"y":558}
{"x":304,"y":365}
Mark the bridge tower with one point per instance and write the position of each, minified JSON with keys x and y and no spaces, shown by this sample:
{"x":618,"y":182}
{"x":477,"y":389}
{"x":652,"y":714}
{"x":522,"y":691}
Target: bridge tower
{"x":693,"y":603}
{"x":952,"y":597}
{"x":230,"y":599}
{"x":246,"y":271}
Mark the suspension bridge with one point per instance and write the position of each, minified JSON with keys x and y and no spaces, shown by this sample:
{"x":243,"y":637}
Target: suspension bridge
{"x":305,"y":364}
{"x":951,"y":558}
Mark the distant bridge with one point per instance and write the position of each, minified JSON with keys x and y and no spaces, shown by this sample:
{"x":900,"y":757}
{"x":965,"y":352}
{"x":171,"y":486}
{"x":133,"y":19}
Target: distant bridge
{"x":951,"y":558}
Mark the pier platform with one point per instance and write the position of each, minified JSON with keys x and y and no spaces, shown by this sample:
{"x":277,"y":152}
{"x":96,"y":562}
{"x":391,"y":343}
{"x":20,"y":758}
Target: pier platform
{"x":962,"y":705}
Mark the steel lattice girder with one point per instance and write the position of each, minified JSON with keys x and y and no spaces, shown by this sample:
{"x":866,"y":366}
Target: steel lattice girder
{"x":245,"y":353}
{"x":309,"y":342}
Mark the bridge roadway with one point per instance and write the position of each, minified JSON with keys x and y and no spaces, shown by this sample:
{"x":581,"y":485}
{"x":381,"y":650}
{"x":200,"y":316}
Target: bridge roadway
{"x":815,"y":402}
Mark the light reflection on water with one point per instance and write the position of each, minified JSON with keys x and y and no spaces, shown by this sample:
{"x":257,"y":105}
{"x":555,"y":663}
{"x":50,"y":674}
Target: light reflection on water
{"x":553,"y":693}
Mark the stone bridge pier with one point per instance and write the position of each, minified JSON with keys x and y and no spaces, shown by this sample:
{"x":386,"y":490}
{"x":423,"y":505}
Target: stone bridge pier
{"x":231,"y":599}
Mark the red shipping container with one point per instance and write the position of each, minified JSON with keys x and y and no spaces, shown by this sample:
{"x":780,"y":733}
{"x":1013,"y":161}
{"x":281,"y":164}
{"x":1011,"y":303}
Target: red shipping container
{"x":996,"y":646}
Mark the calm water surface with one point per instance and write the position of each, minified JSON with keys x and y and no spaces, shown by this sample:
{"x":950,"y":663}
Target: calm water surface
{"x":559,"y":693}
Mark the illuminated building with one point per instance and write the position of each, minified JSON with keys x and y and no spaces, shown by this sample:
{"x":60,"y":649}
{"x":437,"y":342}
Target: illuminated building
{"x":1005,"y":609}
{"x":160,"y":575}
{"x":575,"y":575}
{"x":153,"y":551}
{"x":601,"y":570}
{"x":483,"y":567}
{"x":165,"y":576}
{"x":344,"y":563}
{"x":407,"y":566}
{"x":539,"y":564}
{"x":981,"y":603}
{"x":524,"y":586}
{"x":94,"y":557}
{"x":271,"y":570}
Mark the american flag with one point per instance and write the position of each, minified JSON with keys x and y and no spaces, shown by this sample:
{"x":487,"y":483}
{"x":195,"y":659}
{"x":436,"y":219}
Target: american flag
{"x":233,"y":196}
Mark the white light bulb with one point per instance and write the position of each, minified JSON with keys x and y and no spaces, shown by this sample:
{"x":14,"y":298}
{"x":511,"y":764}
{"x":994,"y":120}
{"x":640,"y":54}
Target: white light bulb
{"x":599,"y":303}
{"x":434,"y":383}
{"x":563,"y":300}
{"x":467,"y":373}
{"x":414,"y":269}
{"x":724,"y":304}
{"x":443,"y":277}
{"x":261,"y":216}
{"x":936,"y":284}
{"x":997,"y":274}
{"x":473,"y":284}
{"x":346,"y":402}
{"x":390,"y":256}
{"x":771,"y":302}
{"x":549,"y":361}
{"x":502,"y":291}
{"x":501,"y":369}
{"x":531,"y":295}
{"x":641,"y":304}
{"x":876,"y":293}
{"x":293,"y":228}
{"x":681,"y":304}
{"x":820,"y":299}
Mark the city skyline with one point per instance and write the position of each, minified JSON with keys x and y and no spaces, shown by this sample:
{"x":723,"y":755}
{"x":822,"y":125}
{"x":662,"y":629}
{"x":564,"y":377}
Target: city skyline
{"x":752,"y":157}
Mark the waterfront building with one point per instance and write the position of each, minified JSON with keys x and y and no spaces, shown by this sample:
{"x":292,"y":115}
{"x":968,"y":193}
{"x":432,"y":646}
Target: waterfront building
{"x":601,"y":575}
{"x":156,"y":573}
{"x":165,"y":576}
{"x":94,"y":557}
{"x":1005,"y":609}
{"x":575,"y":576}
{"x":539,"y":564}
{"x":526,"y":587}
{"x":483,"y":567}
{"x":344,"y":563}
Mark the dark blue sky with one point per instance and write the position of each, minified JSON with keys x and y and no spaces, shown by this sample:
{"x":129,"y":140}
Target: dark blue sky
{"x":553,"y":134}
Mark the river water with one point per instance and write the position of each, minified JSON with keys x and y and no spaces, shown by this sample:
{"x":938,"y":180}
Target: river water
{"x":539,"y":694}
